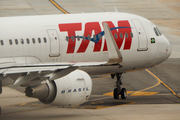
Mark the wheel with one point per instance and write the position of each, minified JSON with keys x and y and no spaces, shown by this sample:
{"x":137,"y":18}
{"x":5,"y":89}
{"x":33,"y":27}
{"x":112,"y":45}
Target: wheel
{"x":116,"y":93}
{"x":123,"y":93}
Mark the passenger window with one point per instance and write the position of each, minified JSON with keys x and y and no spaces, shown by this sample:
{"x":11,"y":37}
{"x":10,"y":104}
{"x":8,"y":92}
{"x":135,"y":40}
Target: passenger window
{"x":16,"y":41}
{"x":33,"y":40}
{"x":94,"y":36}
{"x":39,"y":40}
{"x":72,"y":37}
{"x":22,"y":41}
{"x":131,"y":35}
{"x":27,"y":40}
{"x":2,"y":42}
{"x":126,"y":35}
{"x":67,"y":38}
{"x":45,"y":40}
{"x":99,"y":36}
{"x":78,"y":38}
{"x":156,"y":32}
{"x":10,"y":42}
{"x":89,"y":37}
{"x":121,"y":35}
{"x":115,"y":35}
{"x":84,"y":38}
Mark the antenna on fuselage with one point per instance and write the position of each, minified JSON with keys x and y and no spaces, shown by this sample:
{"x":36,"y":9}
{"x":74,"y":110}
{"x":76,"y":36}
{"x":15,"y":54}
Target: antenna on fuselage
{"x":115,"y":9}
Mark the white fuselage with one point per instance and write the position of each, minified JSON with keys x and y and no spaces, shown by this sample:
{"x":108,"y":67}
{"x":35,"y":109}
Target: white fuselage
{"x":61,"y":44}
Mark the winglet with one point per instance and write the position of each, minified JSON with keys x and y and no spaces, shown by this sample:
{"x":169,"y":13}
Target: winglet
{"x":115,"y":56}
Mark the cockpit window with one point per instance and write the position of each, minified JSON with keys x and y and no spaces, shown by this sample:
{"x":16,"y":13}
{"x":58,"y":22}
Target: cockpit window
{"x":157,"y":32}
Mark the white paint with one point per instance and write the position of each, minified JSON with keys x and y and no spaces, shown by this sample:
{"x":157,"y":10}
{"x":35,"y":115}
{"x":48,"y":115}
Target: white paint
{"x":54,"y":50}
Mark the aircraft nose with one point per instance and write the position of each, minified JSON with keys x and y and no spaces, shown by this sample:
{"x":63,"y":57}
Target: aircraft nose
{"x":168,"y":48}
{"x":165,"y":49}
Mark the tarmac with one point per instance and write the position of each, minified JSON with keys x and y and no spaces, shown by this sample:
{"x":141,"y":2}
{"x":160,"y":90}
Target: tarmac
{"x":153,"y":93}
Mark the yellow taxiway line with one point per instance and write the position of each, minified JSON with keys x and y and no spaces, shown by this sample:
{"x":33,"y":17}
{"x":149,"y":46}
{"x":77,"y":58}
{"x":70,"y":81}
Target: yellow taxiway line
{"x":163,"y":83}
{"x":58,"y":6}
{"x":141,"y":93}
{"x":101,"y":77}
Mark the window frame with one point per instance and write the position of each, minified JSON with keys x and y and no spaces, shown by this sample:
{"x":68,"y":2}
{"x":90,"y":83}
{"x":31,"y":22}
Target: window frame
{"x":2,"y":42}
{"x":131,"y":34}
{"x":126,"y":35}
{"x":16,"y":41}
{"x":10,"y":41}
{"x":45,"y":40}
{"x":22,"y":41}
{"x":39,"y":40}
{"x":27,"y":40}
{"x":33,"y":40}
{"x":156,"y":32}
{"x":121,"y":35}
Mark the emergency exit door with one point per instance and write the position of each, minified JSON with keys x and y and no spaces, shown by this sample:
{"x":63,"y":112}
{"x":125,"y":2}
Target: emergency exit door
{"x":54,"y":42}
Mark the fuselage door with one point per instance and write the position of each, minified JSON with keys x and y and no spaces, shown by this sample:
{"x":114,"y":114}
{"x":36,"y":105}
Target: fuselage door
{"x":54,"y":43}
{"x":143,"y":41}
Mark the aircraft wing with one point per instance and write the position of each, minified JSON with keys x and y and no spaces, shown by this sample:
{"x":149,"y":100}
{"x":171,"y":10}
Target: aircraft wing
{"x":27,"y":72}
{"x":22,"y":72}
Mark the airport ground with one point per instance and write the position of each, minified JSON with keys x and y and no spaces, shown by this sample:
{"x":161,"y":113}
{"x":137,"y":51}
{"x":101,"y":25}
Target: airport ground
{"x":153,"y":93}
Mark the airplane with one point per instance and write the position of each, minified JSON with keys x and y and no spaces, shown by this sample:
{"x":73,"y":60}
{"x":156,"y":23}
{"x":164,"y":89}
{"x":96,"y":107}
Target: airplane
{"x":53,"y":56}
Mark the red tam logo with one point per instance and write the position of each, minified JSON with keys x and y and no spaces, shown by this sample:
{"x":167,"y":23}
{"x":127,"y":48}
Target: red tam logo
{"x":123,"y":31}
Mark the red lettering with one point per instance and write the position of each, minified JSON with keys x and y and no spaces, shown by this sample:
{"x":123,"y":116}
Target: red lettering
{"x":119,"y":40}
{"x":89,"y":27}
{"x":128,"y":41}
{"x":105,"y":45}
{"x":97,"y":46}
{"x":115,"y":31}
{"x":70,"y":28}
{"x":119,"y":34}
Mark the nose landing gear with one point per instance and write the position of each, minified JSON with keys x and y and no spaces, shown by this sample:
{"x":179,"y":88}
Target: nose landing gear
{"x":118,"y":91}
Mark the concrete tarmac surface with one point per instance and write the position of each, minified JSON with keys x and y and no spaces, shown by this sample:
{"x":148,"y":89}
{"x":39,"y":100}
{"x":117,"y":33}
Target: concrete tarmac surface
{"x":153,"y":93}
